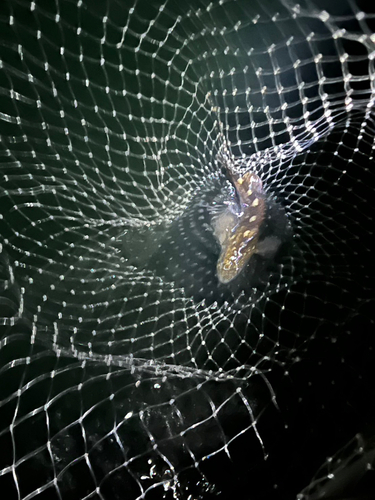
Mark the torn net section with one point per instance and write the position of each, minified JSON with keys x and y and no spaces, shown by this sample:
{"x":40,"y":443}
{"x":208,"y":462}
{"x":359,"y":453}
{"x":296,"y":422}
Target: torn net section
{"x":127,"y":369}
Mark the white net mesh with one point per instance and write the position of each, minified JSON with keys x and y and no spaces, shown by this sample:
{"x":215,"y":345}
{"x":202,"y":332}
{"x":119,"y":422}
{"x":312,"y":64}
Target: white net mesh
{"x":128,"y":368}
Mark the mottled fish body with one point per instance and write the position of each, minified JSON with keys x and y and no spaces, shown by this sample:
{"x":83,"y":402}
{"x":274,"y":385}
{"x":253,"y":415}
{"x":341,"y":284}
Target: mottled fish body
{"x":237,"y":227}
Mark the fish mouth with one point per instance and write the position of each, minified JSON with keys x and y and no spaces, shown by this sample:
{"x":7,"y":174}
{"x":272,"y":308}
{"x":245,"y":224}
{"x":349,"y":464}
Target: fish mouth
{"x":225,"y":277}
{"x":228,"y":269}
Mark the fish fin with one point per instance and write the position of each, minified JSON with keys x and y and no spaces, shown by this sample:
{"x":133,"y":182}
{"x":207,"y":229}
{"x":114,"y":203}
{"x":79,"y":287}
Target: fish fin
{"x":268,"y":247}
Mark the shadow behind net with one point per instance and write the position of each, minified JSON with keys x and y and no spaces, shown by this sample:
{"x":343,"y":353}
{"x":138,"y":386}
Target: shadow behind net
{"x":127,"y":368}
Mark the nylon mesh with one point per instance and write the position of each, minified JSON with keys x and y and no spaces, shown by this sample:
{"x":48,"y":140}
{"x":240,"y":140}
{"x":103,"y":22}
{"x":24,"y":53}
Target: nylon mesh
{"x":128,"y":370}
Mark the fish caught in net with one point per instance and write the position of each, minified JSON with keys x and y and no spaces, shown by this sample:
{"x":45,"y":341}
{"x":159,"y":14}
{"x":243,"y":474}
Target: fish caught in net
{"x":186,"y":249}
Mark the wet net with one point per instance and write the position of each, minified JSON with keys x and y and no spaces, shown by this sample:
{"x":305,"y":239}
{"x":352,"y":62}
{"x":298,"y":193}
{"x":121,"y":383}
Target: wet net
{"x":186,"y":271}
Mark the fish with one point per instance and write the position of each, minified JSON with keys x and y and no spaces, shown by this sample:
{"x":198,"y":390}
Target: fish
{"x":237,"y":227}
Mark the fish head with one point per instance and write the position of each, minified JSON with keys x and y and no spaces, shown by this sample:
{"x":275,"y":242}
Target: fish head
{"x":235,"y":255}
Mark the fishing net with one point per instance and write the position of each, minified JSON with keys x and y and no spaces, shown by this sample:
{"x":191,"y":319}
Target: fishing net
{"x":130,"y":367}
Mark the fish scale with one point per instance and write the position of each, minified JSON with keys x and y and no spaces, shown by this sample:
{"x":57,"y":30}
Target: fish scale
{"x":237,"y":227}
